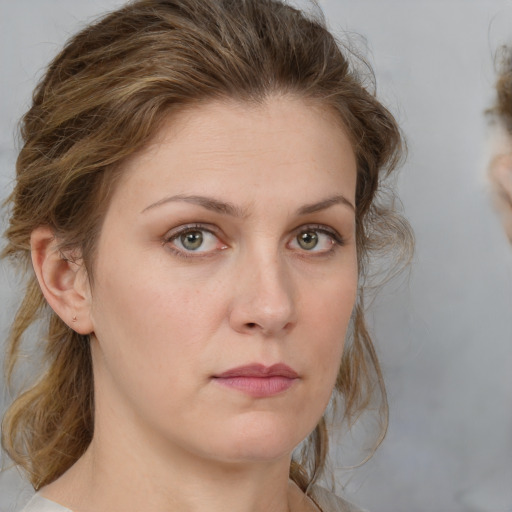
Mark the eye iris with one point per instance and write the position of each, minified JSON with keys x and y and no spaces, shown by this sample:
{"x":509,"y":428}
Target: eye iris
{"x":308,"y":240}
{"x":192,"y":240}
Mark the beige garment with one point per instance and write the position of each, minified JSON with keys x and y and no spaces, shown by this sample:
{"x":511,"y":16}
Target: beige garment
{"x":325,"y":500}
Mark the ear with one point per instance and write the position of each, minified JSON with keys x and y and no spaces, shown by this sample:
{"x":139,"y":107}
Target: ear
{"x":63,"y":280}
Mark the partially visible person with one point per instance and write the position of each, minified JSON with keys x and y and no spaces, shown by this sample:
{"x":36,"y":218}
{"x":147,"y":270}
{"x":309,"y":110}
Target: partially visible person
{"x":500,"y":168}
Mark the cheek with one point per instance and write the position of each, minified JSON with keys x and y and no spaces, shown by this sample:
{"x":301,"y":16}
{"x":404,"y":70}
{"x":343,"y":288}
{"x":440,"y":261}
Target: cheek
{"x":151,"y":321}
{"x":150,"y":343}
{"x":328,"y":311}
{"x":331,"y":299}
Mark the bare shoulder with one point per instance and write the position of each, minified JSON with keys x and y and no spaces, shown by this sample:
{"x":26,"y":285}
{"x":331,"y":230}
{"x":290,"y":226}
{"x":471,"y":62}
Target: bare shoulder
{"x":330,"y":502}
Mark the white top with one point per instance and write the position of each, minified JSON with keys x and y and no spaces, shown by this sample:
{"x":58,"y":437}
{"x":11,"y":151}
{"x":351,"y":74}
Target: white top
{"x":327,"y":501}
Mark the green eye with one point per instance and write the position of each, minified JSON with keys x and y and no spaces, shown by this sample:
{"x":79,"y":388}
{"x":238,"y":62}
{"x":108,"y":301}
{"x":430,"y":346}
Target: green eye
{"x":192,"y":240}
{"x":307,"y":240}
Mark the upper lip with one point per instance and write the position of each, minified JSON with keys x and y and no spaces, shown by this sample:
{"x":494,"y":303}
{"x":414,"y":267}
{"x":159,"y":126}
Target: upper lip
{"x":260,"y":370}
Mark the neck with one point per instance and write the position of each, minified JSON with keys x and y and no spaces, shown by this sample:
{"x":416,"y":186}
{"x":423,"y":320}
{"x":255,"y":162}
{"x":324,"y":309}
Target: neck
{"x":114,"y":475}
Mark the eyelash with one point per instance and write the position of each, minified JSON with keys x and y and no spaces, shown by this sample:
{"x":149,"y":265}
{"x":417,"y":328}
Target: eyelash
{"x":183,"y":230}
{"x":338,"y":240}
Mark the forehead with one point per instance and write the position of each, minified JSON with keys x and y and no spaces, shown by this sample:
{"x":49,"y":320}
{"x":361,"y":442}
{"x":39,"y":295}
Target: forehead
{"x":282,"y":143}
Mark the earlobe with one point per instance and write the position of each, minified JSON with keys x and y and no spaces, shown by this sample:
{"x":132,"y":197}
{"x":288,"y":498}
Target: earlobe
{"x":63,"y":280}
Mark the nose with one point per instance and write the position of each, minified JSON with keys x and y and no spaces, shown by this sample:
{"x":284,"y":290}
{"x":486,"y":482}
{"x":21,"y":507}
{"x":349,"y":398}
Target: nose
{"x":264,"y":298}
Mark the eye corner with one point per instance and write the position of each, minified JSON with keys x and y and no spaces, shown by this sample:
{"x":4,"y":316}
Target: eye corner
{"x":203,"y":241}
{"x":319,"y":240}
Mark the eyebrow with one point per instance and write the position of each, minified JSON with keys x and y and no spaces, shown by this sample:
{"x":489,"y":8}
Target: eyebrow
{"x":326,"y":203}
{"x":206,"y":202}
{"x":230,"y":209}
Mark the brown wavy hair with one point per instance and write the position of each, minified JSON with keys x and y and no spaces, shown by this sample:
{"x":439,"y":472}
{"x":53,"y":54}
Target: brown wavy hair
{"x":101,"y":100}
{"x":502,"y":109}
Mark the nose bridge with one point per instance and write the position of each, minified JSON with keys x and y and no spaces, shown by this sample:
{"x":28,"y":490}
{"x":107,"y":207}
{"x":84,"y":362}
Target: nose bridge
{"x":264,"y":298}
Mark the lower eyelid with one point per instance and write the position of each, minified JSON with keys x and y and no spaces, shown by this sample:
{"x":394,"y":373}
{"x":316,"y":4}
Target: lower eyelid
{"x":171,"y":241}
{"x":334,"y":243}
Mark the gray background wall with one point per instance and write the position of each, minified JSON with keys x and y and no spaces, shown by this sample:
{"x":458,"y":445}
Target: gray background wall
{"x":445,"y":335}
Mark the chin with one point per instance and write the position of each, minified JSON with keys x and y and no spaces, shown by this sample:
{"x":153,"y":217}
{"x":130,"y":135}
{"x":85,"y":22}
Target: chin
{"x":262,"y":441}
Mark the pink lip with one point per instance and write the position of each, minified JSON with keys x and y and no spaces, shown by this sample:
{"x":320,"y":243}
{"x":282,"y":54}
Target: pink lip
{"x":257,"y":380}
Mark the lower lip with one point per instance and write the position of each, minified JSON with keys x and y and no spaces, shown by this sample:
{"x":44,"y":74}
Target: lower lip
{"x":258,"y":387}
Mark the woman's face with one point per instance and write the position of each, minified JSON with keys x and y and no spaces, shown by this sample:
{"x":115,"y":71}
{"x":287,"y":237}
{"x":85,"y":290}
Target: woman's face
{"x":224,"y":280}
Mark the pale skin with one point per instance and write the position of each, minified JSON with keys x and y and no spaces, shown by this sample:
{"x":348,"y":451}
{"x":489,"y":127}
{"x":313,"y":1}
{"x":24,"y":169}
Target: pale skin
{"x":500,"y":173}
{"x":229,"y":241}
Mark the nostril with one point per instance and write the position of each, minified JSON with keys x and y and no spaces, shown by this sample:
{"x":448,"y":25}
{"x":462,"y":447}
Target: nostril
{"x":251,"y":325}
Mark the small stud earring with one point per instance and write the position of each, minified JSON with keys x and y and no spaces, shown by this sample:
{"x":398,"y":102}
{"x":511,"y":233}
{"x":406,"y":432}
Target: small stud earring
{"x":74,"y":319}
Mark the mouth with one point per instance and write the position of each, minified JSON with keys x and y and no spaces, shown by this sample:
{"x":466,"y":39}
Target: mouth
{"x":257,"y":380}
